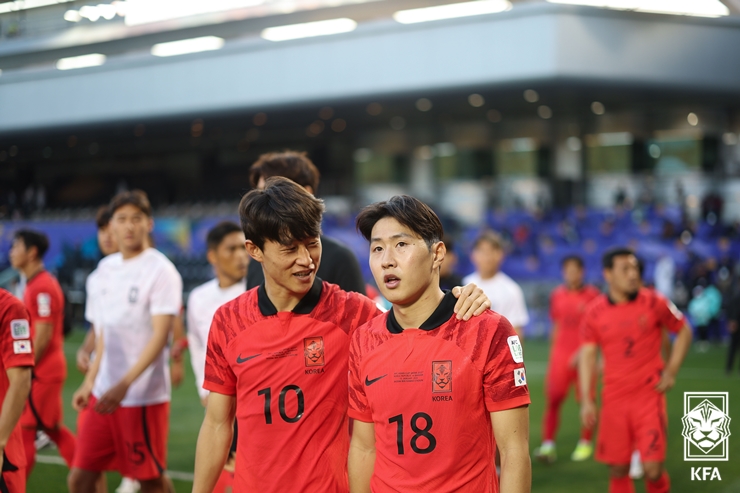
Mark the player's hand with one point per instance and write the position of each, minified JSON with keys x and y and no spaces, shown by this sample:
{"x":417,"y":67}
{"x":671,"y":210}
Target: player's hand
{"x":83,"y":360}
{"x":80,"y":398}
{"x":110,"y":401}
{"x":667,"y":381}
{"x":588,"y":414}
{"x":177,"y":373}
{"x":471,"y":301}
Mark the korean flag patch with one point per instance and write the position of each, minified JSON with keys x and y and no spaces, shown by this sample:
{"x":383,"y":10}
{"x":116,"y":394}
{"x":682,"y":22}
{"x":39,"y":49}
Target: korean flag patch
{"x":19,"y":329}
{"x":22,"y":347}
{"x":520,"y":378}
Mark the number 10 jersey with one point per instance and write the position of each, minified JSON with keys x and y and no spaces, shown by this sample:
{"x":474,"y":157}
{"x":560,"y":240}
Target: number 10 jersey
{"x":429,"y":393}
{"x":288,"y":371}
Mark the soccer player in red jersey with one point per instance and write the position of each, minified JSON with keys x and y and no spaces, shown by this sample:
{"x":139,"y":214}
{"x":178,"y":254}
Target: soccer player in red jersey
{"x":44,"y":300}
{"x":277,"y":357}
{"x":136,"y":296}
{"x":432,"y":396}
{"x":567,"y":305}
{"x":16,"y":361}
{"x":626,"y":325}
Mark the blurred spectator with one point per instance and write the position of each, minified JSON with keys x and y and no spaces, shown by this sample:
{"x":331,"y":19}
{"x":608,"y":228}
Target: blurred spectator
{"x":665,"y":276}
{"x":733,"y":327}
{"x":704,"y":309}
{"x":505,"y":294}
{"x":448,"y":279}
{"x":711,"y":207}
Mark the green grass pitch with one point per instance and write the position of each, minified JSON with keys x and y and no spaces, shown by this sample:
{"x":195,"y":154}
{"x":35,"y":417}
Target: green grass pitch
{"x":701,"y":372}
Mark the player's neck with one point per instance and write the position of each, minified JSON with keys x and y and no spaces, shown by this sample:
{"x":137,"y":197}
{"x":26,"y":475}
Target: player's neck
{"x":32,"y":269}
{"x":283,"y":299}
{"x":416,"y":313}
{"x":225,"y":282}
{"x":574,"y":287}
{"x":618,"y":297}
{"x":488,"y":275}
{"x":129,"y":253}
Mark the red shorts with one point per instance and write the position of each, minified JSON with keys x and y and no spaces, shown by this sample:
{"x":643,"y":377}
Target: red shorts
{"x":640,"y":423}
{"x":560,"y":377}
{"x":44,"y":406}
{"x":131,"y":440}
{"x":14,"y":481}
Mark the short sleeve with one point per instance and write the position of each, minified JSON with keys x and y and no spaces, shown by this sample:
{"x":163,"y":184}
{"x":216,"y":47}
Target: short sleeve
{"x":219,"y":377}
{"x":669,"y":315}
{"x":504,"y":376}
{"x":40,"y":303}
{"x":89,"y":299}
{"x":166,"y":298}
{"x":589,"y":334}
{"x":16,"y":334}
{"x":359,"y":407}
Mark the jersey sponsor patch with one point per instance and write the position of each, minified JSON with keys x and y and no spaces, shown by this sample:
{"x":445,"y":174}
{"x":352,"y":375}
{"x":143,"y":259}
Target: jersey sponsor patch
{"x":520,"y":377}
{"x":442,"y":376}
{"x":20,"y":329}
{"x":516,"y":349}
{"x":22,"y":347}
{"x":313,"y":351}
{"x":44,"y":303}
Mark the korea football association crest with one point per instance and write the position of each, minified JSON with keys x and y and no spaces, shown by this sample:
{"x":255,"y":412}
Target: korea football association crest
{"x":706,"y":426}
{"x":441,"y":376}
{"x":133,"y":295}
{"x":313,"y":351}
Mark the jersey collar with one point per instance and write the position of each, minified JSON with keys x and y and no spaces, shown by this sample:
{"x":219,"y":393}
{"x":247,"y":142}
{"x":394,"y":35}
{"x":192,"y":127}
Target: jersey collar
{"x":441,"y":314}
{"x":304,"y":307}
{"x":630,"y":299}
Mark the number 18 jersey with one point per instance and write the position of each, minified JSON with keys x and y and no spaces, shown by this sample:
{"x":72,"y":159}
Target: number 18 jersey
{"x":429,"y":392}
{"x":288,"y":371}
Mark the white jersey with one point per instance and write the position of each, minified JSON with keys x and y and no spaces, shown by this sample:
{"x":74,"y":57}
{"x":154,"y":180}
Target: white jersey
{"x":92,"y":298}
{"x":507,"y":298}
{"x":202,"y":305}
{"x":128,"y":293}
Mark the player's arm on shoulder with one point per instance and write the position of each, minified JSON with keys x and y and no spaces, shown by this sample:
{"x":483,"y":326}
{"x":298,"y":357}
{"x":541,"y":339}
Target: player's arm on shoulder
{"x":43,"y":331}
{"x":678,"y":352}
{"x":511,"y":430}
{"x":586,"y":375}
{"x":161,"y":327}
{"x":214,"y":441}
{"x":471,"y":301}
{"x":361,"y":460}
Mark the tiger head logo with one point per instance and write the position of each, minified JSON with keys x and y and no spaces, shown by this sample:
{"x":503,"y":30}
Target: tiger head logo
{"x":442,"y":376}
{"x":706,"y":426}
{"x":313,"y":351}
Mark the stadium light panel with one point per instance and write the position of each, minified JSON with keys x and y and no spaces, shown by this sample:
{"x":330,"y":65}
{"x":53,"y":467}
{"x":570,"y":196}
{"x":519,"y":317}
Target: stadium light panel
{"x":699,"y":8}
{"x":309,"y":29}
{"x":82,"y":61}
{"x":19,"y":5}
{"x":451,"y":11}
{"x":185,"y":46}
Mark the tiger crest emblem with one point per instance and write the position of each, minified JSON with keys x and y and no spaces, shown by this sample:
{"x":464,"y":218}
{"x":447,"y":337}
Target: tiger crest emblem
{"x":706,"y":426}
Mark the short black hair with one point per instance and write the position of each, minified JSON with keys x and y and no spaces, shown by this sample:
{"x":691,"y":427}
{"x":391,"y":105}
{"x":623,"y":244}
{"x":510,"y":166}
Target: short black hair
{"x":220,"y":231}
{"x":102,"y":217}
{"x":31,"y":238}
{"x":607,"y":261}
{"x":293,"y":165}
{"x":491,"y":237}
{"x":137,"y":198}
{"x":640,"y":267}
{"x":407,"y":210}
{"x":572,"y":258}
{"x":283,"y":212}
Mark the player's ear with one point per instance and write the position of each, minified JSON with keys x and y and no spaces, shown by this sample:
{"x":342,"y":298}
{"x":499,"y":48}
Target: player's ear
{"x":439,"y":250}
{"x":253,"y":250}
{"x":151,"y":225}
{"x":211,"y":256}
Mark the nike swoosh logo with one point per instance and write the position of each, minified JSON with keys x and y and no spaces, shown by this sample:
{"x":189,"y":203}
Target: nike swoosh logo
{"x":240,"y":360}
{"x":370,"y":382}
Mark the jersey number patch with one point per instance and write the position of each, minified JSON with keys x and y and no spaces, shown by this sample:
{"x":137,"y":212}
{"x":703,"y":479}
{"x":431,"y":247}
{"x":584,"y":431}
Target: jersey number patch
{"x":418,"y":433}
{"x":281,"y":403}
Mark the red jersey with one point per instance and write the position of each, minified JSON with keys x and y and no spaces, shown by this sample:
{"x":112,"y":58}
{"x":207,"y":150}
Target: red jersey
{"x":567,"y":308}
{"x":288,"y":371}
{"x":45,"y":303}
{"x":16,"y":334}
{"x":429,"y":392}
{"x":630,"y":336}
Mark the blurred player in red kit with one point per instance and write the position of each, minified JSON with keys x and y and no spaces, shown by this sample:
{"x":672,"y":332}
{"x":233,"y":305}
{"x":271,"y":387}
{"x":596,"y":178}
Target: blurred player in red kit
{"x":277,"y":357}
{"x":432,"y":396}
{"x":626,"y":325}
{"x":44,"y":300}
{"x":16,"y":362}
{"x":567,"y":306}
